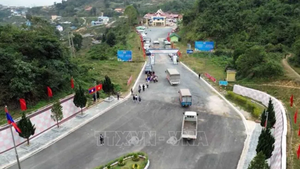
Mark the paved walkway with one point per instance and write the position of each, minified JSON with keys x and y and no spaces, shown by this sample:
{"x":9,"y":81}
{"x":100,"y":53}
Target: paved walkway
{"x":51,"y":136}
{"x":290,"y":71}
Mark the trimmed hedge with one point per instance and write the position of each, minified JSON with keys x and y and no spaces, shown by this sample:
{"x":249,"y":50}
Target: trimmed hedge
{"x":127,"y":155}
{"x":245,"y":103}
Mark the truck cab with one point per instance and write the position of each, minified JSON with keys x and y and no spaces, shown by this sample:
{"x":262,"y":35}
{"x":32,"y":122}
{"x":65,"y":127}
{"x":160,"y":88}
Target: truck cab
{"x":189,"y":125}
{"x":185,"y":97}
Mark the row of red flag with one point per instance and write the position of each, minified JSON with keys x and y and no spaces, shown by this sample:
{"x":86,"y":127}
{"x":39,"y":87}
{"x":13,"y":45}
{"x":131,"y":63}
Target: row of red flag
{"x":295,"y":121}
{"x":49,"y":92}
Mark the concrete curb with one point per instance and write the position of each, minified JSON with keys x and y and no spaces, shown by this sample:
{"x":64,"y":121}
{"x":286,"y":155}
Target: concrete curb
{"x":73,"y":129}
{"x":148,"y":165}
{"x":247,"y":141}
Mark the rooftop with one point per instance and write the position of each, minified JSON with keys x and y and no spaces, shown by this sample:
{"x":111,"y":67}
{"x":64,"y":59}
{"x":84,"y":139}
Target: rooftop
{"x":185,"y":92}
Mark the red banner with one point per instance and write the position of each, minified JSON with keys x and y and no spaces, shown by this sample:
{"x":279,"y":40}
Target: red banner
{"x":23,"y":104}
{"x":210,"y":77}
{"x":129,"y":80}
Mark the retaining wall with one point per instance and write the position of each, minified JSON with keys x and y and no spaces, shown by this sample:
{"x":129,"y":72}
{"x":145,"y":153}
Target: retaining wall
{"x":278,"y":159}
{"x":42,"y":121}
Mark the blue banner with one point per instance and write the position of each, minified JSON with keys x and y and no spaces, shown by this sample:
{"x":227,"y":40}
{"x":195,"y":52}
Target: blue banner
{"x":189,"y":51}
{"x":124,"y":55}
{"x":204,"y":46}
{"x":223,"y":83}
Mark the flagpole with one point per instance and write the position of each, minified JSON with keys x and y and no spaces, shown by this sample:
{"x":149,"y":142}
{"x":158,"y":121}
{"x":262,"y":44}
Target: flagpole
{"x":13,"y":138}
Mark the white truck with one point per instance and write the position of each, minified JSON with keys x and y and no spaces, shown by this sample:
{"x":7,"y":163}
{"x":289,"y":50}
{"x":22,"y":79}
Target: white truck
{"x":189,"y":125}
{"x":173,"y":76}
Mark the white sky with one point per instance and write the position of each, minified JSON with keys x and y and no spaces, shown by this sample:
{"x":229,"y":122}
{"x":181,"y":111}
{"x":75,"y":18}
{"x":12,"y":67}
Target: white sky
{"x":28,"y":3}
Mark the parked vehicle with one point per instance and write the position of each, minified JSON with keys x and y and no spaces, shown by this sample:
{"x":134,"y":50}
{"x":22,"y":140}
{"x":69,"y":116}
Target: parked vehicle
{"x":185,"y":97}
{"x":148,"y":69}
{"x":173,"y":76}
{"x":147,"y":46}
{"x":155,"y":42}
{"x":189,"y":125}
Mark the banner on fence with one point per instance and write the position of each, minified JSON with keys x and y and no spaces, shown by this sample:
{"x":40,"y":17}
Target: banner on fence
{"x":210,"y":77}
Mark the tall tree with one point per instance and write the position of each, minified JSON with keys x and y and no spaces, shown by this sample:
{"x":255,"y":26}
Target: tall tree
{"x":259,"y":162}
{"x":265,"y":143}
{"x":80,"y":99}
{"x":263,"y":118}
{"x":107,"y":85}
{"x":77,"y":41}
{"x":56,"y":112}
{"x":132,"y":15}
{"x":271,"y":115}
{"x":26,"y":127}
{"x":111,"y":39}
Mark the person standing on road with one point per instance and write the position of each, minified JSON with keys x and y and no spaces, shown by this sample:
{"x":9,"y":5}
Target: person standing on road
{"x":101,"y":139}
{"x":131,"y":91}
{"x":147,"y":84}
{"x":136,"y":97}
{"x":118,"y":96}
{"x":139,"y":90}
{"x":140,"y":99}
{"x":143,"y":87}
{"x":133,"y":97}
{"x":199,"y":75}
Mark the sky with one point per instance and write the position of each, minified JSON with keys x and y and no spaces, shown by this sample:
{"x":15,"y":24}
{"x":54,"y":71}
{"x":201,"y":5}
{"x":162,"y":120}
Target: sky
{"x":28,"y":3}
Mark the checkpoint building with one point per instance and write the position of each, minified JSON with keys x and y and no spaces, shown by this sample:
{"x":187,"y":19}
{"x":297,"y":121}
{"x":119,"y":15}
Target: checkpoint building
{"x":161,"y":18}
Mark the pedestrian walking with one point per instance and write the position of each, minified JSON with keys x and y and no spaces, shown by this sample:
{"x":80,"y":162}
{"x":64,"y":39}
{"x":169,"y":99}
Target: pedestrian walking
{"x":131,"y":91}
{"x":147,"y":84}
{"x":140,"y":99}
{"x":199,"y":75}
{"x":143,"y":87}
{"x":133,"y":98}
{"x":101,"y":139}
{"x":118,"y":96}
{"x":139,"y":90}
{"x":136,"y":97}
{"x":140,"y":86}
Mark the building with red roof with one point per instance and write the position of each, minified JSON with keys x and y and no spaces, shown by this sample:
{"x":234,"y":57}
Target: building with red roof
{"x":161,"y":18}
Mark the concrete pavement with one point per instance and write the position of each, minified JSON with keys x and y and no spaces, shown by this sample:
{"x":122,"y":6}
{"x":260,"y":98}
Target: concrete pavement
{"x":154,"y":126}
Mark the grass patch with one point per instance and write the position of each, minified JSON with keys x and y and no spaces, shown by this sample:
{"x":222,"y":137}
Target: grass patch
{"x":246,"y":104}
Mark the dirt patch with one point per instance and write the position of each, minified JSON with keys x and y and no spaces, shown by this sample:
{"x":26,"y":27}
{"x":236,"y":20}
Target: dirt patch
{"x":217,"y":106}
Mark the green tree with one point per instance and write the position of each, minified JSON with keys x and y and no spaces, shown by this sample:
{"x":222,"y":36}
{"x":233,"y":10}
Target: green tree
{"x":259,"y":162}
{"x":80,"y":99}
{"x":265,"y":143}
{"x":26,"y":127}
{"x":263,"y":118}
{"x":77,"y":41}
{"x":108,"y":87}
{"x":111,"y":39}
{"x":132,"y":15}
{"x":271,"y":115}
{"x":93,"y":11}
{"x":56,"y":112}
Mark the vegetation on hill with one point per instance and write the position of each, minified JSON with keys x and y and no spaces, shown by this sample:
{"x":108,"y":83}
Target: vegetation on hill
{"x":31,"y":59}
{"x":257,"y":28}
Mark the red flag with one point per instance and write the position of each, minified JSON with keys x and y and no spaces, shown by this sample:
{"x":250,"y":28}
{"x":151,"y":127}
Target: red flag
{"x":298,"y":152}
{"x":295,"y":116}
{"x":129,"y":80}
{"x":99,"y":87}
{"x":23,"y":104}
{"x":299,"y":131}
{"x":72,"y":83}
{"x":49,"y":92}
{"x":292,"y":100}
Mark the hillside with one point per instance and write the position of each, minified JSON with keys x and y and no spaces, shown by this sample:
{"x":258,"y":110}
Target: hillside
{"x":266,"y":29}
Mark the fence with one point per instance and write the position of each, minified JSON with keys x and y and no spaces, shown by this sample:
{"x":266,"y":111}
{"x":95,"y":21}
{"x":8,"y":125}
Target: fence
{"x":42,"y":121}
{"x":278,"y":159}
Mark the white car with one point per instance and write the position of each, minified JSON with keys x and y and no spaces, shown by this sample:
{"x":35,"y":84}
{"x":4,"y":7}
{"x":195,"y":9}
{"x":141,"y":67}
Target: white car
{"x":155,"y":42}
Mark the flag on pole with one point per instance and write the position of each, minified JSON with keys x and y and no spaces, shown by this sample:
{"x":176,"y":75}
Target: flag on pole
{"x":129,"y":80}
{"x":10,"y":120}
{"x":99,"y":87}
{"x":292,"y":100}
{"x":92,"y":90}
{"x":298,"y":152}
{"x":295,"y":116}
{"x":23,"y":104}
{"x":50,"y":94}
{"x":72,"y":83}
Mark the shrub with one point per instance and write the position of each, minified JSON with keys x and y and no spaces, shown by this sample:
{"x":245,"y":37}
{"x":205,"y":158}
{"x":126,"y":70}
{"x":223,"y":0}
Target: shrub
{"x":135,"y":157}
{"x":121,"y":162}
{"x":245,"y":103}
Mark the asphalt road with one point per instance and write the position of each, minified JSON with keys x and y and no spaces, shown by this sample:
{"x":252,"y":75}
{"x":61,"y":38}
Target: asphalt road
{"x":153,"y":126}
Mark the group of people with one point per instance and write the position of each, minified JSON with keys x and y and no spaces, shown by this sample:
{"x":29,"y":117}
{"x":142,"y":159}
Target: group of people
{"x":151,"y":77}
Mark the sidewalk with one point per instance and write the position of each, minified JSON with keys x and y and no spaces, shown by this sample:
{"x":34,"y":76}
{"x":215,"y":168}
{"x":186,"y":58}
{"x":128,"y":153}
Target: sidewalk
{"x":53,"y":135}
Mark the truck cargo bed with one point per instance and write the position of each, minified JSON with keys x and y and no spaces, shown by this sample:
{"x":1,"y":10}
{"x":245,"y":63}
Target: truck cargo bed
{"x":189,"y":128}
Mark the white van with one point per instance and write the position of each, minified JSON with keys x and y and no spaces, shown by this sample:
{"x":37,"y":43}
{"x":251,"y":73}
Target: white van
{"x":173,"y":76}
